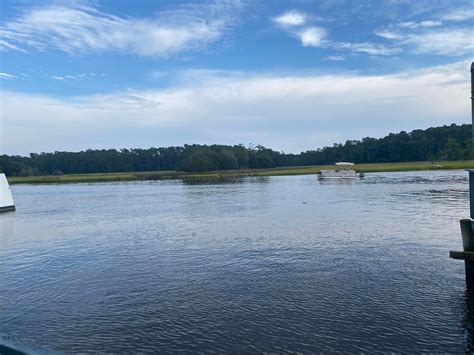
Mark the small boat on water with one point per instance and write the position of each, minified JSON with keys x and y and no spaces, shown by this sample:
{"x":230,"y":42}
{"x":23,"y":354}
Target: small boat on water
{"x":6,"y":199}
{"x":343,"y":170}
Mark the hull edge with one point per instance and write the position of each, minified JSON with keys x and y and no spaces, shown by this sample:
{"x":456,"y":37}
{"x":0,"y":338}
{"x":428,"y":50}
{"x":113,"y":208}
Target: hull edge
{"x":5,"y":209}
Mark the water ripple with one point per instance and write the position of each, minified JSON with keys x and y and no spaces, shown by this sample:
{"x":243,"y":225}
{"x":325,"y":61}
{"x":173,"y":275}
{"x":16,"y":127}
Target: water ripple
{"x":280,"y":264}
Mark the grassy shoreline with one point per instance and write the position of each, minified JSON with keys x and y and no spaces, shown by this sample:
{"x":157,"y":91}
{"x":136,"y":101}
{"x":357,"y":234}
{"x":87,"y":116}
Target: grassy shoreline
{"x":167,"y":175}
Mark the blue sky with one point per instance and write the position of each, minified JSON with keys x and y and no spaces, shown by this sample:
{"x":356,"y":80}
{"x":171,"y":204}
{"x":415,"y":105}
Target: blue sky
{"x":291,"y":75}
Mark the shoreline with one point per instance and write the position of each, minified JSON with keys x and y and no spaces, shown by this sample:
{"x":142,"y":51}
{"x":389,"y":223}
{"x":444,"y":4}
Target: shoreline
{"x":280,"y":171}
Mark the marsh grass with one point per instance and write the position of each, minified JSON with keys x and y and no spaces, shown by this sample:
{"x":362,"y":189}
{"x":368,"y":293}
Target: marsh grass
{"x":222,"y":175}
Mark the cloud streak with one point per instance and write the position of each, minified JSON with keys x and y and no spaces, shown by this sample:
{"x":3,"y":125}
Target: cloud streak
{"x":368,"y":48}
{"x":449,"y":42}
{"x":461,"y":14}
{"x":426,"y":23}
{"x":7,"y":76}
{"x":85,"y":29}
{"x":453,"y":42}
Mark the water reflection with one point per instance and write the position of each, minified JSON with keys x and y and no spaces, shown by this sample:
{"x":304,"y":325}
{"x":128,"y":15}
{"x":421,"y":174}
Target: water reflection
{"x":222,"y":180}
{"x":442,"y":196}
{"x":416,"y":178}
{"x":337,"y":181}
{"x":467,"y":321}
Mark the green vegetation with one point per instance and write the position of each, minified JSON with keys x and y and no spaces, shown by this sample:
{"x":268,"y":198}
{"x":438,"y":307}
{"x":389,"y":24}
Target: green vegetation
{"x":447,"y":143}
{"x":229,"y":174}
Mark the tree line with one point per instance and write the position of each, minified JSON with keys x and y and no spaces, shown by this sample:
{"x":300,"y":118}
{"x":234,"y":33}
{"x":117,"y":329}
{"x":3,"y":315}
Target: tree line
{"x":437,"y":143}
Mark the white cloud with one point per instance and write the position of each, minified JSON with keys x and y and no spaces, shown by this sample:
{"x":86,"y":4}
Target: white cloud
{"x":83,"y":29}
{"x":388,"y":34}
{"x":292,"y":21}
{"x":460,"y":14}
{"x":441,"y":36}
{"x":335,"y":58}
{"x":293,"y":113}
{"x":315,"y":36}
{"x":451,"y":42}
{"x":5,"y":46}
{"x":369,"y":48}
{"x":291,"y":18}
{"x":7,"y":76}
{"x":430,"y":23}
{"x":443,"y":42}
{"x":71,"y":76}
{"x":312,"y":36}
{"x":414,"y":25}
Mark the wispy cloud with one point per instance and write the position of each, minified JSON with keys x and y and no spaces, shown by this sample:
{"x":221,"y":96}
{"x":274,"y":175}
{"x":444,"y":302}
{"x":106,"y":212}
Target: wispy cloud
{"x":7,"y":76}
{"x":368,"y":48}
{"x":388,"y":34}
{"x":81,"y":76}
{"x":460,"y":14}
{"x":451,"y":42}
{"x":443,"y":42}
{"x":240,"y":108}
{"x":297,"y":25}
{"x":6,"y":46}
{"x":291,"y":18}
{"x":84,"y":29}
{"x":421,"y":24}
{"x":447,"y":34}
{"x":335,"y":58}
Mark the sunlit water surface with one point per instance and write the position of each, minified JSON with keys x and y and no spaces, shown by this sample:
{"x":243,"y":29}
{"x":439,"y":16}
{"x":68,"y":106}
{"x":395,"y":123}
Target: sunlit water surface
{"x":254,"y":264}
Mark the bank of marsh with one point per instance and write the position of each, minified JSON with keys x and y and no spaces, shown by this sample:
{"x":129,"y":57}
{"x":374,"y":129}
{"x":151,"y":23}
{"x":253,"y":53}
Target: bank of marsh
{"x":293,"y":170}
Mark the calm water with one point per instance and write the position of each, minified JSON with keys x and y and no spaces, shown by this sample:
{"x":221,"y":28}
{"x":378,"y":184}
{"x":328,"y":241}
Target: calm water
{"x":255,"y":264}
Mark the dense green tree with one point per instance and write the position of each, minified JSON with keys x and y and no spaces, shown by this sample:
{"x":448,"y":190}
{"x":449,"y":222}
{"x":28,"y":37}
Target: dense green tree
{"x":447,"y":142}
{"x":227,"y":160}
{"x":197,"y":162}
{"x":452,"y":150}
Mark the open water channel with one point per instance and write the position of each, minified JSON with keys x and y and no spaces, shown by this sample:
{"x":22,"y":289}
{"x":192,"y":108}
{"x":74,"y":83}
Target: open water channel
{"x":252,"y":264}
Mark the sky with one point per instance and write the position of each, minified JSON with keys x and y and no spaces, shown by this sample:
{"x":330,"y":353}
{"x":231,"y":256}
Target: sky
{"x":290,"y":75}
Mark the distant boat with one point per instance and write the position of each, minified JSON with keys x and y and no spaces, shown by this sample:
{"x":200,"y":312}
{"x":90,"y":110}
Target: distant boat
{"x":6,"y":199}
{"x":343,"y":170}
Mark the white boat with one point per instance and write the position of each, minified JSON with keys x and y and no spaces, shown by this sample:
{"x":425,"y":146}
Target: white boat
{"x":6,"y":199}
{"x":343,"y":170}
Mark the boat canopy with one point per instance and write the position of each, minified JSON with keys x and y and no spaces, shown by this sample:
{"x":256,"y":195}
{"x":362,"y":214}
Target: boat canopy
{"x":343,"y":163}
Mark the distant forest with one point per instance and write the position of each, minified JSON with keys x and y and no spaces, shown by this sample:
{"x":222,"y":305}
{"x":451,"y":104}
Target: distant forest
{"x":438,"y":143}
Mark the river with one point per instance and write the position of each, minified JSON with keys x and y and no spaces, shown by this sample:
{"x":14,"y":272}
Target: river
{"x":252,"y":264}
